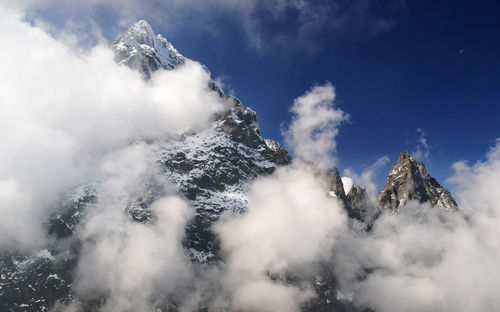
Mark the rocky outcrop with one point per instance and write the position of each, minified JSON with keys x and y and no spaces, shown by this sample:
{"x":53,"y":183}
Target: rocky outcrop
{"x":336,"y":189}
{"x":358,"y":205}
{"x":356,"y":201}
{"x":409,"y":180}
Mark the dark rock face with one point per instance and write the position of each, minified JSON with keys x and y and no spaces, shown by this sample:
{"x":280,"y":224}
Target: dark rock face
{"x":37,"y":281}
{"x":409,"y":180}
{"x":280,"y":155}
{"x":212,"y":168}
{"x":337,"y":187}
{"x":33,"y":283}
{"x":355,"y":202}
{"x":64,"y":221}
{"x":359,"y":206}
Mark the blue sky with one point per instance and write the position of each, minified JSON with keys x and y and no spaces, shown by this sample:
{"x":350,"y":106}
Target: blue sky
{"x":397,"y":66}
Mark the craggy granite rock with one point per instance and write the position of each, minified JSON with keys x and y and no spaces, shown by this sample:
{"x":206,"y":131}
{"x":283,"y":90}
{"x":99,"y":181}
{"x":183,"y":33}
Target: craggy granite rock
{"x":409,"y":180}
{"x":356,"y":202}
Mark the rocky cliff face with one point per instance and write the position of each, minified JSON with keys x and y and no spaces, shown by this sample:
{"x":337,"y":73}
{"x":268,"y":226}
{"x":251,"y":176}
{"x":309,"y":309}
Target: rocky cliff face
{"x":409,"y":180}
{"x":212,"y":168}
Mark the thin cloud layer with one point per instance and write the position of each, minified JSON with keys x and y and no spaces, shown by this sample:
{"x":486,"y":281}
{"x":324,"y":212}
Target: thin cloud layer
{"x":365,"y":179}
{"x":423,"y":149}
{"x":261,"y":22}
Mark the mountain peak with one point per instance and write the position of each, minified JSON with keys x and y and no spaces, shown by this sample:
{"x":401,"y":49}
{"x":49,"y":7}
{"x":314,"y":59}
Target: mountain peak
{"x":409,"y":180}
{"x":141,"y":27}
{"x":141,"y":49}
{"x":405,"y":155}
{"x":141,"y":24}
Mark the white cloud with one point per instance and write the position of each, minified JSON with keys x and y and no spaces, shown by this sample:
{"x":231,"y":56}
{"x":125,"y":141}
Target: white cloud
{"x":423,"y":148}
{"x":313,"y":19}
{"x":290,"y":226}
{"x":314,"y":126}
{"x":137,"y":264}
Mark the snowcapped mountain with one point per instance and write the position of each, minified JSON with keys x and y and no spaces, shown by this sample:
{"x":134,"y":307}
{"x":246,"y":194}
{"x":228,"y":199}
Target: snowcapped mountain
{"x":211,"y":169}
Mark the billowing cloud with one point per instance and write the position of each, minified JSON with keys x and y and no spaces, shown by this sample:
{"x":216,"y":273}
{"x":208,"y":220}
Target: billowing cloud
{"x":290,"y":226}
{"x":133,"y":264}
{"x":314,"y":126}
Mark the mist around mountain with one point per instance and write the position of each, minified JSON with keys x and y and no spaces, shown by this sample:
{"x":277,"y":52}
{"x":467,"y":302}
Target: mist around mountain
{"x":129,"y":181}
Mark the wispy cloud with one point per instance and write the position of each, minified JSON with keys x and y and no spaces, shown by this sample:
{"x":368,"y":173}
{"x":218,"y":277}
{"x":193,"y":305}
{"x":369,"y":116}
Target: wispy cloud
{"x":367,"y":176}
{"x":423,"y":149}
{"x":269,"y":26}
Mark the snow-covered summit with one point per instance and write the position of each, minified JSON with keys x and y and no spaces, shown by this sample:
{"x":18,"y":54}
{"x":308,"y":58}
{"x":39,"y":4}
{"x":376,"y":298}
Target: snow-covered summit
{"x":141,"y":49}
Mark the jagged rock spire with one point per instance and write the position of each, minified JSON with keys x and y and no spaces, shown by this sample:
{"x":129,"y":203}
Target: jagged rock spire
{"x":356,"y":201}
{"x":336,"y":185}
{"x":409,"y":180}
